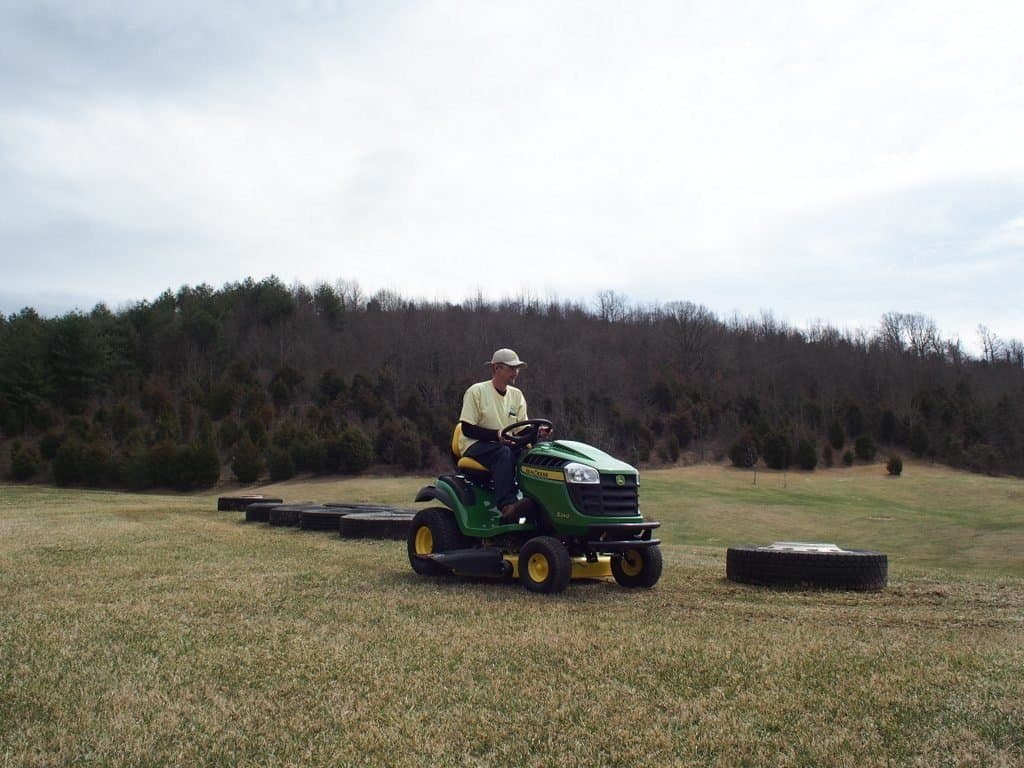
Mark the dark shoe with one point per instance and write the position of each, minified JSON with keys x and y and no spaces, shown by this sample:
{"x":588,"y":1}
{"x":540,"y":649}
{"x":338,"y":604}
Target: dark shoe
{"x":512,"y":512}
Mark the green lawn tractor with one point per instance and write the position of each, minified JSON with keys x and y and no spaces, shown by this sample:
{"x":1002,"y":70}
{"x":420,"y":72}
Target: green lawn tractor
{"x":585,"y":520}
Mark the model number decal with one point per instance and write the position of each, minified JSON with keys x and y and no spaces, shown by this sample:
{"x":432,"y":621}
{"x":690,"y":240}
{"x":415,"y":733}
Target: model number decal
{"x":543,"y":474}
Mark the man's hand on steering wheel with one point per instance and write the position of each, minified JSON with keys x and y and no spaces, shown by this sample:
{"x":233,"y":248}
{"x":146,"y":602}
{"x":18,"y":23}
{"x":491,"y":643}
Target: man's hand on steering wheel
{"x":523,"y":433}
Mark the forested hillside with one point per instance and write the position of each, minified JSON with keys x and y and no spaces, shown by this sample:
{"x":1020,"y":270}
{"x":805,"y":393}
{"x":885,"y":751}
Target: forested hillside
{"x":257,"y":380}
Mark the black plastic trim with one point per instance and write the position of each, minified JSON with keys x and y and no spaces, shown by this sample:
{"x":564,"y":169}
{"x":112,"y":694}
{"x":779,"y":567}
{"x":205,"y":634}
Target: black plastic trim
{"x":621,"y":530}
{"x":622,"y":546}
{"x":462,"y":487}
{"x":433,"y":493}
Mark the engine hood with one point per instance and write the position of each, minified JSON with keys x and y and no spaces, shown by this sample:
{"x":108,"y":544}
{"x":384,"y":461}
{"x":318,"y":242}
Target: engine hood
{"x":570,"y":450}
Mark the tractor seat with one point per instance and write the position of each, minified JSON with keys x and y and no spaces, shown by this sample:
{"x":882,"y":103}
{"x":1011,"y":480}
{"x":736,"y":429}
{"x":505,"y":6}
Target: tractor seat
{"x":469,"y":466}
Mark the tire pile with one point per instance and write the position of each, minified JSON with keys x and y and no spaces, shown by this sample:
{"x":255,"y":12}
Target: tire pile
{"x":806,"y":564}
{"x":351,"y":521}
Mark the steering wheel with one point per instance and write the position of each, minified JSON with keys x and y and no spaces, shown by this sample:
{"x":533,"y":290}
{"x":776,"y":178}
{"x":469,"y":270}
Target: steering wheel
{"x":527,"y":431}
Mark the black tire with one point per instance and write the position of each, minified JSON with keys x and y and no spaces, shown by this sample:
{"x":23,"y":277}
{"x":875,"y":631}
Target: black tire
{"x":432,"y":530}
{"x":544,"y":565}
{"x":347,"y":508}
{"x":288,"y":514}
{"x":839,"y":569}
{"x":375,"y":525}
{"x":322,"y":519}
{"x":241,"y":503}
{"x":639,"y":567}
{"x":259,"y":512}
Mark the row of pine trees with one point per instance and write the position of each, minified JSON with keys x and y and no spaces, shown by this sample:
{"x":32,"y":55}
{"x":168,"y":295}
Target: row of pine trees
{"x":258,"y":380}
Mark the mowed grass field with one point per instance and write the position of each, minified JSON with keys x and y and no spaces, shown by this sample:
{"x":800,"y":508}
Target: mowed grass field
{"x":151,"y":630}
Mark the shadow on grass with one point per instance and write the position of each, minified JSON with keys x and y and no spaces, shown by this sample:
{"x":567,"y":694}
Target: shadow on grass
{"x":506,"y":588}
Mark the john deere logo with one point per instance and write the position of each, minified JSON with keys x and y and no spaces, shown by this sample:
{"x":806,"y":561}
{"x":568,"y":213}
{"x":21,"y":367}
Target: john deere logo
{"x":620,"y":480}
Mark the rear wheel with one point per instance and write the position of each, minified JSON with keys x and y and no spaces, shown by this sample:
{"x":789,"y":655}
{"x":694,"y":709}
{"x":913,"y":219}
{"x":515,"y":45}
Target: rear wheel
{"x":433,"y":530}
{"x":638,"y":567}
{"x":544,"y":565}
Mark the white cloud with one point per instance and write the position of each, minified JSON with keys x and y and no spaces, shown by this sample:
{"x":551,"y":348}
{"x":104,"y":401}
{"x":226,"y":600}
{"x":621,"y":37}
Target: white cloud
{"x":667,"y":151}
{"x":1007,"y":237}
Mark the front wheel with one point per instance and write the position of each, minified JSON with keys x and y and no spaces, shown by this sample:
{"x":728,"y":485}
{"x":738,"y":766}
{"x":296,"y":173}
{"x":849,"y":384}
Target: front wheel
{"x":638,"y":567}
{"x":544,"y":565}
{"x":432,"y":530}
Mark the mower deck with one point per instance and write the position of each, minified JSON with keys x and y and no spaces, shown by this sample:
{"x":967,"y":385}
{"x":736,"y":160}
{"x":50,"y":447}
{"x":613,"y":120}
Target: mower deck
{"x":493,"y":562}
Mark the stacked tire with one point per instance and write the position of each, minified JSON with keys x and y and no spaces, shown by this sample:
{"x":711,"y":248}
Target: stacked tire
{"x":797,"y":564}
{"x":259,"y":512}
{"x":320,"y":519}
{"x":288,"y":515}
{"x":241,"y":503}
{"x":390,"y":523}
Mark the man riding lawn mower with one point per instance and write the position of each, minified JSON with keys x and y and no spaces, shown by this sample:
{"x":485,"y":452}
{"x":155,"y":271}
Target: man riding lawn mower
{"x":582,"y":519}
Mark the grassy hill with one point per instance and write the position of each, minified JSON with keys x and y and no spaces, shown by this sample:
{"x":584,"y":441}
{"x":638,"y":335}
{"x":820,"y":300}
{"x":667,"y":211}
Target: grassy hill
{"x":152,"y":630}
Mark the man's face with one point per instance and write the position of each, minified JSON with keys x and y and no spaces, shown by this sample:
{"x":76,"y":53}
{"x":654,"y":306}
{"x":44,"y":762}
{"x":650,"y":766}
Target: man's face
{"x":505,"y":374}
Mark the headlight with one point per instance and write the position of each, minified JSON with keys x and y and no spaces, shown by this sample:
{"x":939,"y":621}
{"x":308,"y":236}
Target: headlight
{"x":581,"y":473}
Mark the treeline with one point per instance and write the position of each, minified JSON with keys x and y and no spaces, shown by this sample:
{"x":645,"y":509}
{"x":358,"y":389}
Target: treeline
{"x":260,"y":380}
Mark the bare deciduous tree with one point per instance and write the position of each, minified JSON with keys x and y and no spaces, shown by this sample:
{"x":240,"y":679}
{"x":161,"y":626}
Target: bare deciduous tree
{"x":990,"y":344}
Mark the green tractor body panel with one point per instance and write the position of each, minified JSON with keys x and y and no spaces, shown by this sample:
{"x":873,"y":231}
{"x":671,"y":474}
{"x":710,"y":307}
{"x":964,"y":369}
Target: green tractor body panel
{"x":481,"y":518}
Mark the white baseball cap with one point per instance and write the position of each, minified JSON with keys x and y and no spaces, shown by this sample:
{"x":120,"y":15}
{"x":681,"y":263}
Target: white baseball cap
{"x":506,"y":357}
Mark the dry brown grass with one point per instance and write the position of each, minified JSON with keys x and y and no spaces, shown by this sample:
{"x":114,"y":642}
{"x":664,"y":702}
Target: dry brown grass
{"x":151,"y":630}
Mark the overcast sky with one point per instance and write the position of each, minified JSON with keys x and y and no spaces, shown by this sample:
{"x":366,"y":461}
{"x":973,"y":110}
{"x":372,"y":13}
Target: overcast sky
{"x":822,"y":160}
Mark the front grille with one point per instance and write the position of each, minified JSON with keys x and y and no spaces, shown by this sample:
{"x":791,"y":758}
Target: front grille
{"x":609,"y":499}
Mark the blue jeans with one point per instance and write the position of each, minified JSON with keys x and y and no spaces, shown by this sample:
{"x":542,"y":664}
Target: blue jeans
{"x":501,"y":460}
